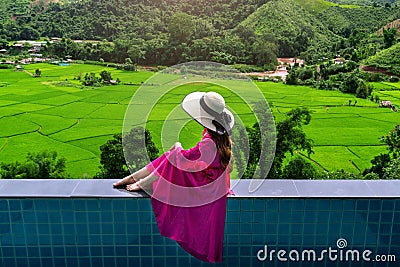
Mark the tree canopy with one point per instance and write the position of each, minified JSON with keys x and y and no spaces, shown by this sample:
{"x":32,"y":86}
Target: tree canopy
{"x":169,"y":32}
{"x":41,"y":165}
{"x":115,"y":163}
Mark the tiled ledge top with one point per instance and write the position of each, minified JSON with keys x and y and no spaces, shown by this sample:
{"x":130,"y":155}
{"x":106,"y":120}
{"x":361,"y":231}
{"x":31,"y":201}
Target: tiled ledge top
{"x":243,"y":188}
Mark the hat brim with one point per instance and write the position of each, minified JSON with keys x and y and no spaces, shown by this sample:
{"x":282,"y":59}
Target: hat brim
{"x":191,"y":105}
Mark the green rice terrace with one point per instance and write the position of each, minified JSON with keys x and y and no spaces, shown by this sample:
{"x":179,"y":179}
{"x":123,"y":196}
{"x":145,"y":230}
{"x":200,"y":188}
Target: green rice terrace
{"x":55,"y":112}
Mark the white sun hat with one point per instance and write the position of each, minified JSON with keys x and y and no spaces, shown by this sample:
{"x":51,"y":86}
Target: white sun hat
{"x":209,"y":110}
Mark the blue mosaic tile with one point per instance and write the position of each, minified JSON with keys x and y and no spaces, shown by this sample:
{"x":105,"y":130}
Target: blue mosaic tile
{"x":97,"y":261}
{"x":375,"y":204}
{"x":83,"y":261}
{"x":386,"y":216}
{"x":271,"y":205}
{"x":99,"y":232}
{"x":259,"y":205}
{"x":53,"y":204}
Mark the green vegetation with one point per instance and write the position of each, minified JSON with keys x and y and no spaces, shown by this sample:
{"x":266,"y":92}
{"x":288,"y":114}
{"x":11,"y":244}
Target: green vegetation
{"x":343,"y":21}
{"x":72,"y":120}
{"x":293,"y":28}
{"x":345,"y":77}
{"x":113,"y":163}
{"x":43,"y":165}
{"x":388,"y":59}
{"x":157,"y":33}
{"x":75,"y":120}
{"x":387,"y":3}
{"x":314,"y":6}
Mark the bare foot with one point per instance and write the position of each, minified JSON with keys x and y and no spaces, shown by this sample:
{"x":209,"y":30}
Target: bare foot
{"x":127,"y":180}
{"x":133,"y":187}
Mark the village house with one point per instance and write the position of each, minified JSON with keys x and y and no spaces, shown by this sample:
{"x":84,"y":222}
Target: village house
{"x":339,"y":60}
{"x":386,"y":104}
{"x":18,"y":46}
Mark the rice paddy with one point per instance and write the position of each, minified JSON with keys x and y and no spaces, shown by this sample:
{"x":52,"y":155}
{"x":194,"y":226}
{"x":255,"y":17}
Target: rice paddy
{"x":54,"y":112}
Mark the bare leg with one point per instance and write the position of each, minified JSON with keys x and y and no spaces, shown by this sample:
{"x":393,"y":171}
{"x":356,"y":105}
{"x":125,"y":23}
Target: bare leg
{"x":131,"y":179}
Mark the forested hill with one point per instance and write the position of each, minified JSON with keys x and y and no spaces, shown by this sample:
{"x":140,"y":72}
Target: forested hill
{"x":387,"y":59}
{"x":343,"y":21}
{"x":164,"y":32}
{"x":366,"y":2}
{"x":110,"y":19}
{"x":294,"y":29}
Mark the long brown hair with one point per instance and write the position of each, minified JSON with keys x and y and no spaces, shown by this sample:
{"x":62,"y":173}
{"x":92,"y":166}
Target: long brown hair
{"x":224,"y":146}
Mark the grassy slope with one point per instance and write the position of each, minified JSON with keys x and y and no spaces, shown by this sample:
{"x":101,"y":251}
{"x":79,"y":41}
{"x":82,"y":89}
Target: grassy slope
{"x":392,"y":24}
{"x":9,"y":7}
{"x":279,"y":16}
{"x":389,"y":57}
{"x":314,"y":6}
{"x":340,"y":133}
{"x":362,"y":2}
{"x":39,"y":113}
{"x":340,"y":19}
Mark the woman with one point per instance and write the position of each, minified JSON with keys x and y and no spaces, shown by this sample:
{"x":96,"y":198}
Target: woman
{"x":189,"y":187}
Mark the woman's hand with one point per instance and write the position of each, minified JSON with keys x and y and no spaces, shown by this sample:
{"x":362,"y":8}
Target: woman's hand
{"x":176,"y":145}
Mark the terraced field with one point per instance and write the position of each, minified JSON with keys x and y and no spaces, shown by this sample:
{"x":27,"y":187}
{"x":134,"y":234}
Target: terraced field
{"x":55,"y":112}
{"x":345,"y":137}
{"x":43,"y":113}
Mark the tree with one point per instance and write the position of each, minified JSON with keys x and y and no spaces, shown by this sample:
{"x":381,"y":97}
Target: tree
{"x":392,"y":140}
{"x":265,"y":53}
{"x":137,"y":51}
{"x":90,"y":79}
{"x":291,"y":137}
{"x":389,"y":37}
{"x":254,"y":150}
{"x":115,"y":164}
{"x":181,"y":28}
{"x":42,"y":165}
{"x":3,"y":43}
{"x":105,"y":76}
{"x":350,"y":83}
{"x":381,"y":162}
{"x":291,"y":78}
{"x":299,"y":168}
{"x":364,"y":89}
{"x":378,"y":164}
{"x":38,"y":73}
{"x":393,"y":170}
{"x":112,"y":159}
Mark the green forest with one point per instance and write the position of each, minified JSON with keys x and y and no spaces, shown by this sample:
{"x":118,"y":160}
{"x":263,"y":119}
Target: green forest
{"x":167,"y":32}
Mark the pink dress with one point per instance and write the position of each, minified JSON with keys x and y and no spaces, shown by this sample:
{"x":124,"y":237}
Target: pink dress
{"x":189,"y":198}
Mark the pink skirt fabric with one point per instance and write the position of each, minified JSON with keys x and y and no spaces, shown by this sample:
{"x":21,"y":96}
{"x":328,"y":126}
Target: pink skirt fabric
{"x":189,"y":199}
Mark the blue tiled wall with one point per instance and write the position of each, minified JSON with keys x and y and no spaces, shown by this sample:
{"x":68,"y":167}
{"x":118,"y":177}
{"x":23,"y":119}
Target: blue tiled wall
{"x":120,"y":232}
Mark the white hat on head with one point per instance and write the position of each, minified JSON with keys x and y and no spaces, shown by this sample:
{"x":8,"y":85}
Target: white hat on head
{"x":209,"y":110}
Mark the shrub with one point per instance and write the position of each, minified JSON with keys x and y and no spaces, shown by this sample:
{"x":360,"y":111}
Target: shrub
{"x":90,"y":79}
{"x":342,"y":175}
{"x":299,"y":168}
{"x":43,"y":165}
{"x":5,"y":66}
